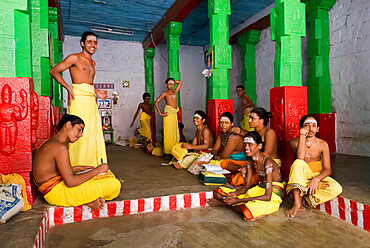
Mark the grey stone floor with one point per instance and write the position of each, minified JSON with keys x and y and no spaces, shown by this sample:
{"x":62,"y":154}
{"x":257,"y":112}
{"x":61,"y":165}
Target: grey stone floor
{"x":144,"y":176}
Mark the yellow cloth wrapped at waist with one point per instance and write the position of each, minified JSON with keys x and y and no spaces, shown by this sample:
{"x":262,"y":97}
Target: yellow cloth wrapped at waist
{"x":315,"y":166}
{"x":105,"y":186}
{"x":145,"y":129}
{"x":171,"y":134}
{"x":89,"y":150}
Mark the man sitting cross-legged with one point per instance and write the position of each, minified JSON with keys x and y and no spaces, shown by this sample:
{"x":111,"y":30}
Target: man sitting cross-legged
{"x":258,"y":201}
{"x":63,"y":185}
{"x":309,"y":174}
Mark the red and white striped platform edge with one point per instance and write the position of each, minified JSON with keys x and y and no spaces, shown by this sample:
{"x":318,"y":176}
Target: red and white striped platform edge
{"x":350,"y":211}
{"x":62,"y":215}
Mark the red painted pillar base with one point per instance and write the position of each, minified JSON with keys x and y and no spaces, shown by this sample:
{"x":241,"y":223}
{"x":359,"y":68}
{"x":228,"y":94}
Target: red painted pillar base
{"x":327,"y":129}
{"x":288,"y":104}
{"x":153,"y":127}
{"x":57,"y":118}
{"x":179,"y":115}
{"x":16,"y":110}
{"x":44,"y":129}
{"x":216,"y":107}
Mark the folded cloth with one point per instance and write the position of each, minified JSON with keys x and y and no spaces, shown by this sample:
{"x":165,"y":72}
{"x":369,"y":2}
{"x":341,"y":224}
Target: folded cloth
{"x":240,"y":156}
{"x":208,"y":178}
{"x":178,"y":152}
{"x":187,"y":160}
{"x":89,"y":149}
{"x":301,"y":175}
{"x":171,"y":134}
{"x":17,"y":179}
{"x":256,"y":208}
{"x":11,"y":201}
{"x":105,"y":186}
{"x":145,"y":129}
{"x":237,"y":179}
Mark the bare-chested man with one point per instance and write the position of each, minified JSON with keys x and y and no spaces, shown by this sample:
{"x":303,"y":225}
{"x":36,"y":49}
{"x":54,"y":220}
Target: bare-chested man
{"x":90,"y":149}
{"x":202,"y":141}
{"x":58,"y":181}
{"x":253,"y":201}
{"x":309,"y":174}
{"x":171,"y":134}
{"x":228,"y":145}
{"x":145,"y":117}
{"x":245,"y":108}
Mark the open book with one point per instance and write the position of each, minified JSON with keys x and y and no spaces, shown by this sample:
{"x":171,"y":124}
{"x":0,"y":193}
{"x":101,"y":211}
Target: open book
{"x":214,"y":168}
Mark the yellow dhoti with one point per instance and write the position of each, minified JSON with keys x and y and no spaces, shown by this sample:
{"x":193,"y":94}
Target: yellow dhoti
{"x":301,"y":175}
{"x":256,"y":208}
{"x":171,"y":134}
{"x":90,"y":149}
{"x":245,"y":123}
{"x":107,"y":188}
{"x":145,"y":129}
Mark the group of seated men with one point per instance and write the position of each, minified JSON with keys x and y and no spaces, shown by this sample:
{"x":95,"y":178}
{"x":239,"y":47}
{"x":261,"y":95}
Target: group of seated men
{"x":251,"y":156}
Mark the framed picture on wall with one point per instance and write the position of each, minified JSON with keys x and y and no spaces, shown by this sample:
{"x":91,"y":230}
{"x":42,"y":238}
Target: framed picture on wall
{"x":105,"y":104}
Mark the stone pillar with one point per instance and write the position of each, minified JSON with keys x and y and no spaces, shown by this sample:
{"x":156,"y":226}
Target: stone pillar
{"x":40,"y":47}
{"x":172,"y":33}
{"x":247,"y":43}
{"x":149,"y":84}
{"x":218,"y":88}
{"x":319,"y":84}
{"x":288,"y":100}
{"x":15,"y":39}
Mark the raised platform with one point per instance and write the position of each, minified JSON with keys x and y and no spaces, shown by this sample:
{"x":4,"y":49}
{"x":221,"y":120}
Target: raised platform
{"x":145,"y":177}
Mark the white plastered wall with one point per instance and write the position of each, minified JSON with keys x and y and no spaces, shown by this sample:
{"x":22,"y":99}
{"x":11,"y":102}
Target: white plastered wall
{"x":119,"y":60}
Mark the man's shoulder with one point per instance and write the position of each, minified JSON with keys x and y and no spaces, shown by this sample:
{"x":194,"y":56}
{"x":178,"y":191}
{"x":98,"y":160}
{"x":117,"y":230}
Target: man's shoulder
{"x":235,"y":137}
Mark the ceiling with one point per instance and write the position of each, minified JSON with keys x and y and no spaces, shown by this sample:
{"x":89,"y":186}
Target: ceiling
{"x":136,"y":18}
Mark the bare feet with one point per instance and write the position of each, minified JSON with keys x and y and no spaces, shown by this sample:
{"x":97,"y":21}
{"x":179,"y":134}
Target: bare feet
{"x":97,"y":204}
{"x":294,"y":211}
{"x":259,"y":217}
{"x":216,"y":203}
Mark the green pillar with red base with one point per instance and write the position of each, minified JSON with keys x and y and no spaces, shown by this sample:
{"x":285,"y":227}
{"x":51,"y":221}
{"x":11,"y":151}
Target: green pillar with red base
{"x":149,"y":84}
{"x":288,"y":99}
{"x":218,"y":88}
{"x":319,"y":83}
{"x":15,"y":39}
{"x":172,"y":34}
{"x":247,"y":43}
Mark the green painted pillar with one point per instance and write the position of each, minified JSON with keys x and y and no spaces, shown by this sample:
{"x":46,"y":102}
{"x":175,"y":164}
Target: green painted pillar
{"x":247,"y":43}
{"x":53,"y":29}
{"x":219,"y":82}
{"x":60,"y":58}
{"x":15,"y":39}
{"x":172,"y":33}
{"x":149,"y":74}
{"x":40,"y":47}
{"x":319,"y":85}
{"x":288,"y":26}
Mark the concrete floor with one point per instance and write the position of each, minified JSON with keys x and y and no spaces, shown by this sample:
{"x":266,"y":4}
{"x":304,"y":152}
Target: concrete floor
{"x":144,"y":176}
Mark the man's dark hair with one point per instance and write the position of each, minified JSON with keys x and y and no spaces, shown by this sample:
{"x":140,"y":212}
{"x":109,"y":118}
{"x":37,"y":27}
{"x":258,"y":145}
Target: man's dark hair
{"x":203,"y":115}
{"x":240,"y":87}
{"x":85,"y":34}
{"x":229,"y":116}
{"x":262,"y":114}
{"x":145,"y":95}
{"x":69,"y":118}
{"x":256,"y":137}
{"x":169,"y":79}
{"x":303,"y":119}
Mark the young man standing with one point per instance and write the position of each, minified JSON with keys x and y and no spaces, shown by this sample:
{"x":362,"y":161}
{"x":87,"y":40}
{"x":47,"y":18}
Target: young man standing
{"x":145,"y":117}
{"x":171,"y":134}
{"x":90,"y":149}
{"x":245,"y":108}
